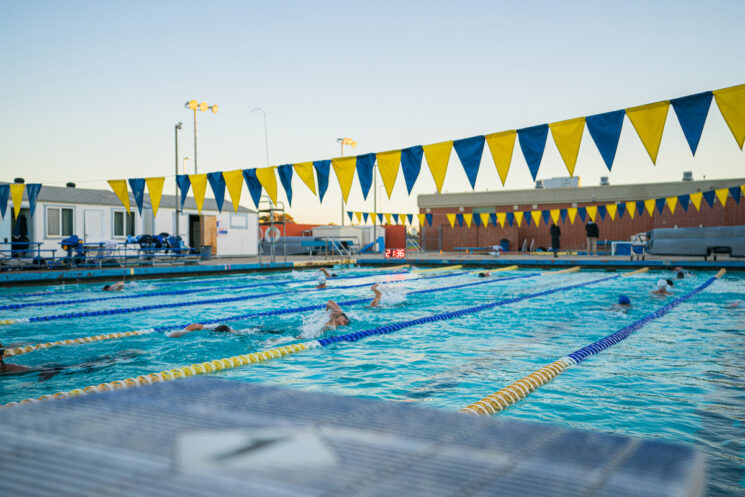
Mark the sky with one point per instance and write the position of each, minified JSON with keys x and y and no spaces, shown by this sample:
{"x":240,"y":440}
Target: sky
{"x":92,"y":90}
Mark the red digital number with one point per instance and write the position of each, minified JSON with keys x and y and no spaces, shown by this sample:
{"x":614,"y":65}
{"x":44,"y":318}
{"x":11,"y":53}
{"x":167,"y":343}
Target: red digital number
{"x":395,"y":253}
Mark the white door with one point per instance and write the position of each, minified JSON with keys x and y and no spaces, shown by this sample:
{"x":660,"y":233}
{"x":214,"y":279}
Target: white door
{"x":93,"y":226}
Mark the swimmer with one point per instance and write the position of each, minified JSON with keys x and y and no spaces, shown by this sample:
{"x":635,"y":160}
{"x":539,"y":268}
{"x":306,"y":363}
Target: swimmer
{"x":484,"y":274}
{"x":116,"y":287}
{"x":8,"y":367}
{"x":197,"y":327}
{"x":623,"y":304}
{"x":663,"y":288}
{"x":338,"y":318}
{"x":322,"y":275}
{"x":375,"y":301}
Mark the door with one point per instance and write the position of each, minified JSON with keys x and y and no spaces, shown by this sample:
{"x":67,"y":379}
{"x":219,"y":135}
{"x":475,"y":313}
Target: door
{"x":208,"y":231}
{"x":194,"y":233}
{"x":93,"y":226}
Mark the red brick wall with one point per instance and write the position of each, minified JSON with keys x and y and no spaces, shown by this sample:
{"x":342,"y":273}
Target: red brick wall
{"x":395,"y":236}
{"x":293,"y":229}
{"x":573,"y":236}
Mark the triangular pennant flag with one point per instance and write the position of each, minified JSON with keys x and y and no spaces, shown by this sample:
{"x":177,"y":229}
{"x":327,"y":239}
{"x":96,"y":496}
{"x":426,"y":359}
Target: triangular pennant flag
{"x":683,"y":200}
{"x":709,"y":197}
{"x":640,"y":207}
{"x":621,"y":209}
{"x":469,"y":152}
{"x":731,"y":103}
{"x":459,"y":218}
{"x":138,"y":191}
{"x":119,"y":186}
{"x":696,"y":200}
{"x":365,"y":164}
{"x":252,"y":183}
{"x":572,"y":212}
{"x":734,"y":191}
{"x":5,"y":194}
{"x":344,"y":168}
{"x":217,"y":182}
{"x":692,"y":111}
{"x":649,"y":122}
{"x":411,"y":164}
{"x":722,"y":195}
{"x":268,"y":180}
{"x":380,"y":218}
{"x":388,"y":165}
{"x":451,"y":219}
{"x":533,"y":143}
{"x":410,"y":217}
{"x":155,"y":189}
{"x":429,"y":219}
{"x":501,"y":217}
{"x":567,"y":137}
{"x":476,"y":220}
{"x":671,"y":202}
{"x":304,"y":171}
{"x":563,"y":213}
{"x":16,"y":194}
{"x":546,"y":215}
{"x":395,"y":218}
{"x":649,"y":206}
{"x":234,"y":182}
{"x":605,"y":130}
{"x":468,"y":218}
{"x":359,"y":216}
{"x":285,"y":178}
{"x":183,"y":182}
{"x":592,"y":212}
{"x":351,"y":216}
{"x":660,"y":204}
{"x":518,"y":218}
{"x":582,"y":211}
{"x":387,"y":218}
{"x":33,"y":189}
{"x":198,"y":188}
{"x":611,"y":209}
{"x":422,"y":218}
{"x":527,"y":218}
{"x":602,"y":212}
{"x":631,"y":209}
{"x":510,"y":218}
{"x":322,"y":168}
{"x":484,"y":218}
{"x":501,"y":146}
{"x":438,"y":157}
{"x":365,"y":216}
{"x":493,"y":218}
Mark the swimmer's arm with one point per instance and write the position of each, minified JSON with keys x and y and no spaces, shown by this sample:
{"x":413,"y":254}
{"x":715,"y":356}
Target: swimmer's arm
{"x":188,"y":329}
{"x":326,"y":273}
{"x":333,"y":306}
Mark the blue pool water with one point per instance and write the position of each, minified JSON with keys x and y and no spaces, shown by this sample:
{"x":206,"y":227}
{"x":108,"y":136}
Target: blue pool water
{"x":679,"y":378}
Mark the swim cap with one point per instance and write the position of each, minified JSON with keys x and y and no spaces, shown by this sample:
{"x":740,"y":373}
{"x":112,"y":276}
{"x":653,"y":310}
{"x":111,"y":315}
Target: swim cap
{"x":624,"y":300}
{"x":223,"y":327}
{"x":681,"y":275}
{"x":661,"y":284}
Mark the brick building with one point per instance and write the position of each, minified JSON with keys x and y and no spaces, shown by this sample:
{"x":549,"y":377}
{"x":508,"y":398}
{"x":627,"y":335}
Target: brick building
{"x":440,"y":236}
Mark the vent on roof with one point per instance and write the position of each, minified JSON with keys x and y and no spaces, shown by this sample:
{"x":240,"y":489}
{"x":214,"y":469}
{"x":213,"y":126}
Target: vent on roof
{"x":604,"y":181}
{"x":70,"y":185}
{"x":539,"y":183}
{"x":687,"y":176}
{"x":19,"y":180}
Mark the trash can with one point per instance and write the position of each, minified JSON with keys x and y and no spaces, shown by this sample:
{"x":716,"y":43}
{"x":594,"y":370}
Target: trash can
{"x":505,"y":243}
{"x":205,"y":252}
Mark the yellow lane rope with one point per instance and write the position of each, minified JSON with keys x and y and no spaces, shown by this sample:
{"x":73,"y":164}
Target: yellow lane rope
{"x":506,"y":268}
{"x":638,"y":271}
{"x":563,"y":271}
{"x":446,"y":268}
{"x":75,"y":341}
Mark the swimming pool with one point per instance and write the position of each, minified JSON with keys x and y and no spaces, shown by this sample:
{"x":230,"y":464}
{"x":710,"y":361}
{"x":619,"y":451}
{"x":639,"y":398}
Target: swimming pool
{"x":679,"y":378}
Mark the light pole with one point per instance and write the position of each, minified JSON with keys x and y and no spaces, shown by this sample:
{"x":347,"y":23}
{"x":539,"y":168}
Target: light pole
{"x":342,"y":142}
{"x":183,"y":165}
{"x":266,"y":135}
{"x":193,"y":105}
{"x":177,"y":127}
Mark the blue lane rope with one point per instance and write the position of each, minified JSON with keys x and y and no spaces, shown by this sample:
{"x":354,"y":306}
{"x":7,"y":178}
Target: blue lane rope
{"x":353,"y":337}
{"x":126,"y":310}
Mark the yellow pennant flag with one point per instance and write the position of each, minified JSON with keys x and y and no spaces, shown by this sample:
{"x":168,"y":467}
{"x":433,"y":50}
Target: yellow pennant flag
{"x":484,"y":218}
{"x":592,"y":211}
{"x":451,"y":220}
{"x":387,"y":218}
{"x":403,"y":218}
{"x":631,"y":209}
{"x":305,"y":171}
{"x":16,"y":193}
{"x":536,"y":215}
{"x":649,"y":122}
{"x":344,"y":168}
{"x":268,"y":180}
{"x":519,"y":217}
{"x":696,"y":199}
{"x":422,"y":219}
{"x":671,"y":203}
{"x":568,"y":136}
{"x":234,"y":182}
{"x":555,"y":215}
{"x":358,"y":215}
{"x":155,"y":189}
{"x":649,"y":205}
{"x":612,"y":209}
{"x":572,"y":211}
{"x":468,"y":217}
{"x":119,"y":186}
{"x":722,"y":195}
{"x":198,"y":187}
{"x":731,"y":103}
{"x":438,"y":157}
{"x":501,"y":218}
{"x":388,"y":163}
{"x":501,"y":146}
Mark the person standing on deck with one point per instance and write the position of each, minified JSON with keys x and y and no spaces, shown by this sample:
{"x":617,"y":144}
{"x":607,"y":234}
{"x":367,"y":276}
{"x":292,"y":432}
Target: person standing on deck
{"x":555,"y":235}
{"x":591,"y":228}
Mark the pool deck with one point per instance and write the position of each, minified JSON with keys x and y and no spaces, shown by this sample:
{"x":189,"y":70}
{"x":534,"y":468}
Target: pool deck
{"x":231,"y":265}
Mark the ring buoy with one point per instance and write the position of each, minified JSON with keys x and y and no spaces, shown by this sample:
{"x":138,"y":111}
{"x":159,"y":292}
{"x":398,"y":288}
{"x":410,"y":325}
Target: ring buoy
{"x":272,"y":234}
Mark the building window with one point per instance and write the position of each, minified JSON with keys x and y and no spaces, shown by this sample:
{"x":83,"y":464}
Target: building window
{"x":124,"y":223}
{"x":59,"y":221}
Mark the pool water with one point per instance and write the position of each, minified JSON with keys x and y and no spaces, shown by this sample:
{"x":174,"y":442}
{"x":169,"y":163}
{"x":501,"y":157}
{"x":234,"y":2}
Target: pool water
{"x":678,"y":378}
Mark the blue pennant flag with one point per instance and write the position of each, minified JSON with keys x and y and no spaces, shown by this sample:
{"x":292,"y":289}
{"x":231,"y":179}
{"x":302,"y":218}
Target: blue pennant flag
{"x":365,"y":165}
{"x":32,"y":191}
{"x":709,"y":197}
{"x":217,"y":182}
{"x":563,"y":213}
{"x":138,"y":191}
{"x":640,"y":207}
{"x":734,"y":191}
{"x":532,"y":143}
{"x":184,"y":183}
{"x":476,"y":221}
{"x":395,"y":217}
{"x":459,"y":218}
{"x":546,"y":216}
{"x":602,"y":210}
{"x":322,"y":173}
{"x":510,"y":217}
{"x":428,"y":217}
{"x":285,"y":177}
{"x":493,"y":218}
{"x":4,"y":195}
{"x":582,"y":211}
{"x":660,"y":203}
{"x":621,"y":208}
{"x":605,"y":130}
{"x":410,"y":217}
{"x":469,"y":152}
{"x":365,"y":216}
{"x":411,"y":164}
{"x":684,"y":200}
{"x":253,"y":185}
{"x":351,"y":216}
{"x":692,"y":111}
{"x":380,"y":218}
{"x":527,"y":218}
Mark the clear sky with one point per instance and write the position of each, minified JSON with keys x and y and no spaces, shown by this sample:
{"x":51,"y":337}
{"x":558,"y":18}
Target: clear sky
{"x":92,"y":90}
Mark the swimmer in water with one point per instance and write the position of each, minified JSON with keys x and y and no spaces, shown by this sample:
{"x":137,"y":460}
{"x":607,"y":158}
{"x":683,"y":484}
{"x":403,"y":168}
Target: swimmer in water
{"x":338,"y":318}
{"x":663,"y":288}
{"x":116,"y":287}
{"x":322,"y":275}
{"x":623,"y":304}
{"x":376,"y":300}
{"x":197,"y":327}
{"x":8,"y":367}
{"x":484,"y":274}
